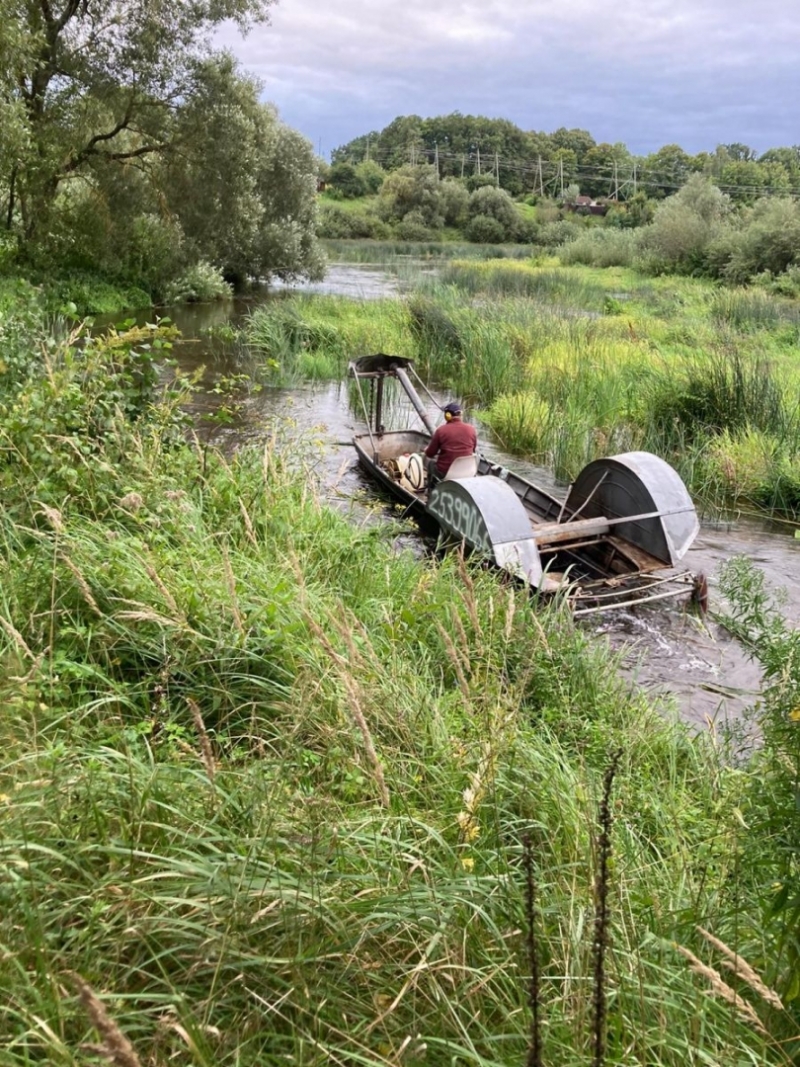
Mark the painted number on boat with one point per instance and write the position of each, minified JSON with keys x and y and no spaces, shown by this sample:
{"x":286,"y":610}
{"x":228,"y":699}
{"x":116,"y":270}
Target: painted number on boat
{"x":460,"y":517}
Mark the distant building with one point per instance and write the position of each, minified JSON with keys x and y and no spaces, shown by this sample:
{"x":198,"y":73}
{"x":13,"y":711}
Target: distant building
{"x":586,"y":205}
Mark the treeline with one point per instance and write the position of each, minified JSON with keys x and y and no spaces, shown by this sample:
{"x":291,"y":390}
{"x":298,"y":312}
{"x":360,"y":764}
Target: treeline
{"x":129,"y":147}
{"x":547,"y":163}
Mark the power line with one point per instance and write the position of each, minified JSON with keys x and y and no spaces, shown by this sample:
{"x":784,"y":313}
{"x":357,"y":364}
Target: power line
{"x":548,"y":173}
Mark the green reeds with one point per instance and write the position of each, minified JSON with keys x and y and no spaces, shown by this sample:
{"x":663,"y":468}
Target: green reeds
{"x":394,"y":253}
{"x":752,"y":309}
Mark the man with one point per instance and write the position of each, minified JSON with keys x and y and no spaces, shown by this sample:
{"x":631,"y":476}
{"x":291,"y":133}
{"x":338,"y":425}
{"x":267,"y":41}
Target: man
{"x":456,"y":438}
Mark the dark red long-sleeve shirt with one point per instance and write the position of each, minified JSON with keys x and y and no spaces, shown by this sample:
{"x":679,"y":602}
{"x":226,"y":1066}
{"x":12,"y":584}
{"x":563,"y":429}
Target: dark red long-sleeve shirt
{"x":450,"y":441}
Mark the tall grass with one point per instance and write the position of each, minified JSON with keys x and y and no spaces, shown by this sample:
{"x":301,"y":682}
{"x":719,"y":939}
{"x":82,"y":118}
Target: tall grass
{"x":265,"y":780}
{"x":552,"y":286}
{"x":195,"y":825}
{"x":389,"y":253}
{"x":752,"y":309}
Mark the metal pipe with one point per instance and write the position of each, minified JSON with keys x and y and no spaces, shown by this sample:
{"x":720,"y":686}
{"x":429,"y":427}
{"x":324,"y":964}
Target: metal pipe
{"x":628,"y":603}
{"x":367,"y":418}
{"x":413,"y":396}
{"x":379,"y":407}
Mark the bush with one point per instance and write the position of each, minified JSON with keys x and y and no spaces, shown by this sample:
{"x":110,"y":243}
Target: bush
{"x":371,"y":174}
{"x":552,"y":235}
{"x":786,"y":284}
{"x":413,"y":227}
{"x":684,"y":226}
{"x":602,"y":247}
{"x":768,"y":241}
{"x":337,"y":224}
{"x":197,"y":284}
{"x":63,"y":433}
{"x":413,"y":188}
{"x":454,"y":201}
{"x":496,"y":204}
{"x":345,"y":180}
{"x":483,"y":229}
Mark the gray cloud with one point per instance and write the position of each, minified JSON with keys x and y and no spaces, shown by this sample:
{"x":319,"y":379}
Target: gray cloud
{"x":646,"y":72}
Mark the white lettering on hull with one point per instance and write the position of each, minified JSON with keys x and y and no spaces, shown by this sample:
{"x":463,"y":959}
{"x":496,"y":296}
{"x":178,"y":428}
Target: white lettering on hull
{"x":460,"y":517}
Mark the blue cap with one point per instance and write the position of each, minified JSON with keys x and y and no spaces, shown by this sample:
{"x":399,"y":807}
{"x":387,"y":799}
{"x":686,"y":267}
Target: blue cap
{"x":454,"y":408}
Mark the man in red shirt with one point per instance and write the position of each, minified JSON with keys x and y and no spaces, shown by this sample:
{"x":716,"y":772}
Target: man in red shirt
{"x":455,"y":438}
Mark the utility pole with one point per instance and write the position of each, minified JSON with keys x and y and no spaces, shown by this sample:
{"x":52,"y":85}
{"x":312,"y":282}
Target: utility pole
{"x":634,"y":179}
{"x":463,"y":162}
{"x":436,"y":158}
{"x":616,"y":182}
{"x":561,"y":176}
{"x":540,"y":176}
{"x":497,"y":169}
{"x":479,"y":161}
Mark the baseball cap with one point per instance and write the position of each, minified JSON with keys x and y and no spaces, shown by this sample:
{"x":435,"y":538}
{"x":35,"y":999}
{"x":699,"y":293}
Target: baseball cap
{"x":453,"y":408}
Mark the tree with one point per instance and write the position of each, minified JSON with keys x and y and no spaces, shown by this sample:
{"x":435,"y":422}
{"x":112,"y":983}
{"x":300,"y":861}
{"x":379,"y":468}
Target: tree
{"x":241,"y":184}
{"x":604,"y":168}
{"x":685,"y":225}
{"x":664,"y":172}
{"x":372,"y":175}
{"x":496,"y":204}
{"x":413,"y":188}
{"x":95,"y":84}
{"x":346,"y":181}
{"x":577,"y":141}
{"x":454,"y":201}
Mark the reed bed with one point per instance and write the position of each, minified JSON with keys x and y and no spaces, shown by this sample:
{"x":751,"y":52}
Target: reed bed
{"x":568,"y":364}
{"x":393,"y":253}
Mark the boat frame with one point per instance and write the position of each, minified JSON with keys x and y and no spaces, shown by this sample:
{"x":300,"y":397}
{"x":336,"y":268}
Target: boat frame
{"x":614,"y":542}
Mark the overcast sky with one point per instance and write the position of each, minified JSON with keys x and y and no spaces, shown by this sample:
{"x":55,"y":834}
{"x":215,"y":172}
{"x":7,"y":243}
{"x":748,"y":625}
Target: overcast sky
{"x":646,"y":72}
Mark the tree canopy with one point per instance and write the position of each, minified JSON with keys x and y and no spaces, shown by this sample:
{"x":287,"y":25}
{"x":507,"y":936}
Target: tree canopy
{"x":118,"y":121}
{"x":523,"y":161}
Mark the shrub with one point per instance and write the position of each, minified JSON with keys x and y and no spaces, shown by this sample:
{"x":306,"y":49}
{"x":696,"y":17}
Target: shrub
{"x":454,"y":201}
{"x":602,"y":247}
{"x":684,"y":226}
{"x":552,"y":235}
{"x":786,"y":284}
{"x":345,"y":180}
{"x":413,"y":227}
{"x":337,"y":224}
{"x":483,"y":229}
{"x":413,"y":189}
{"x":371,"y":174}
{"x":768,"y":240}
{"x":63,"y":432}
{"x":496,"y":204}
{"x":199,"y":283}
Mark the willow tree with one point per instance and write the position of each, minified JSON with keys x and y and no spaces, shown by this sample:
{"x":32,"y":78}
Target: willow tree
{"x":97,"y":104}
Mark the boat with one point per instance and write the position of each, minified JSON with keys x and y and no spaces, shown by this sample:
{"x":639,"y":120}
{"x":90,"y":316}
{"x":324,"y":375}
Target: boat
{"x":616,"y":540}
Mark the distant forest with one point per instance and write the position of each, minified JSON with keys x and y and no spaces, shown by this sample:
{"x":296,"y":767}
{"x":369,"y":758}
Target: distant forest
{"x":548,"y":163}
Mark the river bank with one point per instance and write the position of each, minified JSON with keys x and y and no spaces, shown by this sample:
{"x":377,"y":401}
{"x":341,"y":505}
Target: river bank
{"x":263,"y":771}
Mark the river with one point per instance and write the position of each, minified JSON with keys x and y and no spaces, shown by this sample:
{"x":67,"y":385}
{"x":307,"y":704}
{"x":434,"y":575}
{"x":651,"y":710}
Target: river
{"x":690,"y":666}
